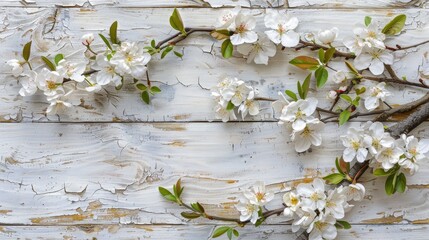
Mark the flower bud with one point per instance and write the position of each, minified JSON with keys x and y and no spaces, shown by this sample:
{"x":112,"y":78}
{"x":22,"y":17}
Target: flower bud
{"x":87,"y":39}
{"x":332,"y":94}
{"x":327,"y":36}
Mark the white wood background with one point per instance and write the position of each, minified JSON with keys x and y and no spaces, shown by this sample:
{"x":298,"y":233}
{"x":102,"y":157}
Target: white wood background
{"x":93,"y":172}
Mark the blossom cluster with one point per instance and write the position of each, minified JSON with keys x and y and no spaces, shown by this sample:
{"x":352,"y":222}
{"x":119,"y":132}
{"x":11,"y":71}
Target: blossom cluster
{"x":371,"y":141}
{"x":298,"y":115}
{"x":61,"y":80}
{"x":314,"y":207}
{"x":233,"y":93}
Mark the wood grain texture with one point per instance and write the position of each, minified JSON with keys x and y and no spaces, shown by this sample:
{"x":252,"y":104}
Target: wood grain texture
{"x":66,"y":174}
{"x":181,"y":232}
{"x":185,"y":83}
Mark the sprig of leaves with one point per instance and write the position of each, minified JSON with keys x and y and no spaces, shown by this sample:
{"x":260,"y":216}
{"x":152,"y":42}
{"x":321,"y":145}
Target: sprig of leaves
{"x":146,"y":91}
{"x":343,"y":170}
{"x":396,"y":180}
{"x":229,"y":231}
{"x":176,"y":22}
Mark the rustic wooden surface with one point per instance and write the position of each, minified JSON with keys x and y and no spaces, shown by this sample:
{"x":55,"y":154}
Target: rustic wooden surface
{"x":93,"y":172}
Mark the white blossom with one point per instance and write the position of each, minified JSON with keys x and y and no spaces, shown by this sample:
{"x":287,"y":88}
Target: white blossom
{"x":415,"y":152}
{"x":292,"y":201}
{"x":248,"y":211}
{"x":376,"y":139}
{"x":355,"y":145}
{"x":389,"y":156}
{"x":310,"y":135}
{"x":50,"y":82}
{"x":280,"y":104}
{"x":71,"y":70}
{"x":258,"y":195}
{"x":335,"y":203}
{"x":355,"y":192}
{"x":298,"y":112}
{"x":322,"y":228}
{"x":342,"y":76}
{"x":327,"y":36}
{"x":313,"y":194}
{"x":259,"y":52}
{"x":249,"y":106}
{"x":227,"y":19}
{"x":365,"y":36}
{"x":374,"y":94}
{"x":87,"y":39}
{"x":222,"y":113}
{"x":106,"y":71}
{"x":374,"y":59}
{"x":282,"y":29}
{"x":29,"y":85}
{"x":16,"y":66}
{"x":243,"y":32}
{"x":131,"y":59}
{"x":60,"y":102}
{"x":304,"y":217}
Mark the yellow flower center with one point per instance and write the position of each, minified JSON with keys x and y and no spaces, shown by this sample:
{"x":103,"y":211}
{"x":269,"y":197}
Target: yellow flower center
{"x":372,"y":34}
{"x":294,"y":201}
{"x":355,"y":145}
{"x":241,"y":28}
{"x":51,"y":85}
{"x":260,"y":196}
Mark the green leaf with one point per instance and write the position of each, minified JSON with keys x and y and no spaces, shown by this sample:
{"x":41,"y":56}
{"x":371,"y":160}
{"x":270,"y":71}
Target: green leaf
{"x":305,"y":62}
{"x":259,"y":222}
{"x":395,"y":26}
{"x":227,"y":48}
{"x":167,"y":194}
{"x":390,"y":185}
{"x":26,"y":51}
{"x":401,"y":183}
{"x":177,"y":188}
{"x":329,"y":54}
{"x":220,"y":231}
{"x":229,"y":233}
{"x":321,"y":55}
{"x":48,"y":63}
{"x":190,"y":215}
{"x":180,"y":55}
{"x":343,"y":224}
{"x":230,"y":106}
{"x":291,"y":95}
{"x":334,"y":178}
{"x":360,"y":90}
{"x":155,"y":89}
{"x":337,"y":165}
{"x":356,"y":101}
{"x":321,"y":75}
{"x":166,"y":51}
{"x":306,"y":86}
{"x":141,"y":86}
{"x":153,"y":43}
{"x":114,"y":32}
{"x":58,"y":58}
{"x":145,"y":97}
{"x":299,"y":88}
{"x":105,"y":41}
{"x":198,"y":207}
{"x":176,"y":21}
{"x":346,"y":97}
{"x":236,"y":233}
{"x":220,"y":34}
{"x":344,"y":117}
{"x":351,"y":68}
{"x":368,"y":20}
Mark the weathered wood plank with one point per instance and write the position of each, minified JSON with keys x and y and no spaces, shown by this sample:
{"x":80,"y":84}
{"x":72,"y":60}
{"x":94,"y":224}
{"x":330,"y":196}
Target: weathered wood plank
{"x":274,"y":232}
{"x":184,"y":82}
{"x":358,"y":4}
{"x":64,"y":174}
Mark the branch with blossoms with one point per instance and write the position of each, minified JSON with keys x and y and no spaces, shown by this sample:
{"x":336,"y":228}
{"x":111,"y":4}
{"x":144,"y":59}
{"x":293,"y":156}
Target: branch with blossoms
{"x":318,"y":207}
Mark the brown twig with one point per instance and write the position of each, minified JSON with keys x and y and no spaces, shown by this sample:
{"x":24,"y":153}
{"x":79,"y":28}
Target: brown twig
{"x":316,"y":46}
{"x":394,"y":80}
{"x":399,"y":48}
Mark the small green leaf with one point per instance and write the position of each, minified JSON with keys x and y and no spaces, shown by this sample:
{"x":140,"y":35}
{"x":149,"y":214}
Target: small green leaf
{"x":153,"y":43}
{"x":390,"y":185}
{"x":346,"y":97}
{"x":141,"y":86}
{"x":230,"y":106}
{"x":321,"y":55}
{"x":344,"y":117}
{"x":227,"y":48}
{"x":401,"y":183}
{"x":395,"y":26}
{"x":300,"y":92}
{"x":198,"y":207}
{"x":105,"y":41}
{"x":337,"y":165}
{"x":343,"y":224}
{"x":334,"y":178}
{"x":26,"y":51}
{"x":221,"y":34}
{"x":145,"y":97}
{"x":305,"y":62}
{"x":355,"y":102}
{"x":229,"y":233}
{"x":291,"y":95}
{"x":167,"y":194}
{"x":220,"y":231}
{"x":360,"y":90}
{"x":190,"y":215}
{"x":176,"y":21}
{"x":114,"y":32}
{"x":329,"y":54}
{"x":236,"y":233}
{"x":166,"y":51}
{"x":259,"y":222}
{"x":368,"y":20}
{"x":155,"y":89}
{"x":48,"y":63}
{"x":351,"y":68}
{"x":321,"y":75}
{"x":306,"y":86}
{"x":180,"y":55}
{"x":58,"y":58}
